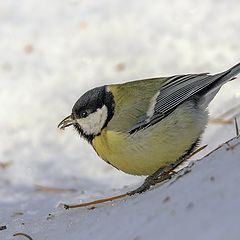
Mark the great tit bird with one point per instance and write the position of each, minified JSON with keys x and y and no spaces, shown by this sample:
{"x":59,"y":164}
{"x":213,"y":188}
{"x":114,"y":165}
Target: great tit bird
{"x":148,"y":126}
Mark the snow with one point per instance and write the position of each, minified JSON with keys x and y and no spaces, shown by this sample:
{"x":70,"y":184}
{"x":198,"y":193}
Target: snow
{"x":54,"y":51}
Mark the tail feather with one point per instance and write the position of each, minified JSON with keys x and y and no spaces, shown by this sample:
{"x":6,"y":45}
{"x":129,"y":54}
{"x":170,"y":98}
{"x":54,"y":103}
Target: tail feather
{"x":221,"y":78}
{"x":234,"y":71}
{"x":226,"y":76}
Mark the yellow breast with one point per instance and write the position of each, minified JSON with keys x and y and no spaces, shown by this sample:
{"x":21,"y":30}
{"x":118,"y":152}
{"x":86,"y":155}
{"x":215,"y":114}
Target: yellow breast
{"x":146,"y":151}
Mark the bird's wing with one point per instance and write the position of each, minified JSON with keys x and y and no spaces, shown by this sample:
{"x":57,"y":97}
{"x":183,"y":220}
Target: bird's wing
{"x":178,"y":89}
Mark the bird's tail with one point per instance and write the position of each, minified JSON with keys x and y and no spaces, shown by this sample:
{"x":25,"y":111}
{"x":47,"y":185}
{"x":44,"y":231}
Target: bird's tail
{"x":231,"y":73}
{"x":220,"y":80}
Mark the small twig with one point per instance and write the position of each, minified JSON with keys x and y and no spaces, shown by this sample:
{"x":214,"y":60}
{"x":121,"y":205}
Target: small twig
{"x":172,"y":172}
{"x":236,"y":126}
{"x":220,"y":121}
{"x":180,"y":174}
{"x":66,"y":206}
{"x":53,"y":190}
{"x":186,"y":159}
{"x":22,"y":234}
{"x":197,"y":151}
{"x":231,"y":113}
{"x":235,"y":116}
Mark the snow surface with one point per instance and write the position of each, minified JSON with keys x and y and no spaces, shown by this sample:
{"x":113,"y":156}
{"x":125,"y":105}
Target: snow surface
{"x":51,"y":53}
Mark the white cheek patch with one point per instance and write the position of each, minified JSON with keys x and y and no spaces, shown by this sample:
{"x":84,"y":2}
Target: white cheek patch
{"x":94,"y":122}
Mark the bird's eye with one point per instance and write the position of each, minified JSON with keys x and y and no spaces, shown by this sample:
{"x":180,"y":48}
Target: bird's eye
{"x":84,"y":114}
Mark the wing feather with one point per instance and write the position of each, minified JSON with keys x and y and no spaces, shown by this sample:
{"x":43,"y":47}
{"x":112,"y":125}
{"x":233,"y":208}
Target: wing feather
{"x":178,"y":89}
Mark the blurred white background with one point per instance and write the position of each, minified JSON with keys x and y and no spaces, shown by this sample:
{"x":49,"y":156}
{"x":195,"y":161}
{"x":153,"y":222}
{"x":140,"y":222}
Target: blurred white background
{"x":51,"y":52}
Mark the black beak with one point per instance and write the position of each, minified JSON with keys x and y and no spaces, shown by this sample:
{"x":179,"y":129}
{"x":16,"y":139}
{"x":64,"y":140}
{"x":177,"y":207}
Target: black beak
{"x":66,"y":122}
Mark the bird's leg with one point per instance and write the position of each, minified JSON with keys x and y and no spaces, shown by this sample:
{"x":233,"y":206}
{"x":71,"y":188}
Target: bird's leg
{"x":166,"y":172}
{"x":160,"y":175}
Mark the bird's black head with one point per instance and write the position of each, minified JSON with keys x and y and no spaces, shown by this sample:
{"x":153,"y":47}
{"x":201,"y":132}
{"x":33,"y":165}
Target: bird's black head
{"x":91,"y":113}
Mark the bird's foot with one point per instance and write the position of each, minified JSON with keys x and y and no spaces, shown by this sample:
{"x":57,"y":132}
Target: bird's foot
{"x":149,"y":182}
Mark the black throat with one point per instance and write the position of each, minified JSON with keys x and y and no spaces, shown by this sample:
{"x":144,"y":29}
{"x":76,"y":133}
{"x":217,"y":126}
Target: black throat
{"x":88,"y":137}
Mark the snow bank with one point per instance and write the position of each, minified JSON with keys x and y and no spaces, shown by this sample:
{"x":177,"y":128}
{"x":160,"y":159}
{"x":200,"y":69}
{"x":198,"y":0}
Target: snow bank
{"x":51,"y":53}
